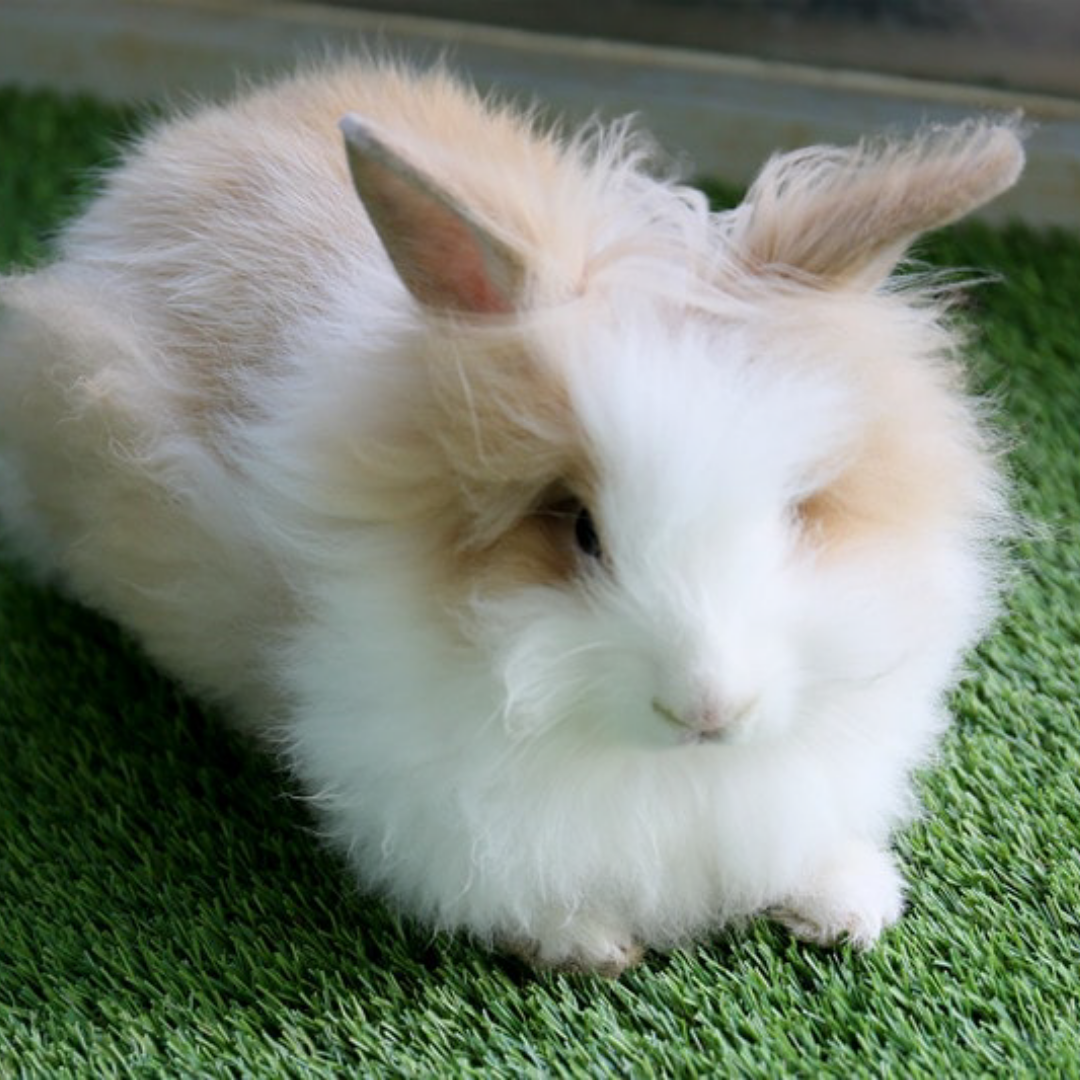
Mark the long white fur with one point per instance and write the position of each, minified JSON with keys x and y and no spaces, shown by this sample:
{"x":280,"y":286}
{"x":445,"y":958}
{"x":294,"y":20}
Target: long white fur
{"x":201,"y":407}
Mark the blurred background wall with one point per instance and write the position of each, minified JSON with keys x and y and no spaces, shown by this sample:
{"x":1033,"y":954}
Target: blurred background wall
{"x":1021,"y":44}
{"x":722,"y":83}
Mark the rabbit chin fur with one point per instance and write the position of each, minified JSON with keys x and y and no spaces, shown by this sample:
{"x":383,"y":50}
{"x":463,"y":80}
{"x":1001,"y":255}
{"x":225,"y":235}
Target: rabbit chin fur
{"x":599,"y":563}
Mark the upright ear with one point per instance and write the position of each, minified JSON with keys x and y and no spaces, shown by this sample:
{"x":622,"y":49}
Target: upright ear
{"x":846,"y":216}
{"x":445,"y":256}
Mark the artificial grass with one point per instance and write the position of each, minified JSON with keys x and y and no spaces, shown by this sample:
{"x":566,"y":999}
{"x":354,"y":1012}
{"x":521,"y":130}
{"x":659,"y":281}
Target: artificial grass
{"x":165,"y":910}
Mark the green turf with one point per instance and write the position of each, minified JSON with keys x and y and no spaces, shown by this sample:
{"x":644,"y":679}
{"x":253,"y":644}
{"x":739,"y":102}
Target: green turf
{"x":164,"y":909}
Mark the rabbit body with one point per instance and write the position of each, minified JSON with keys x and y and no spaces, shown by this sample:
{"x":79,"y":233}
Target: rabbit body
{"x":598,"y":562}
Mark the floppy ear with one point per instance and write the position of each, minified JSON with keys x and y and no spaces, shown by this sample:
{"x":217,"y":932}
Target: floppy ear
{"x":846,"y":216}
{"x":445,"y":256}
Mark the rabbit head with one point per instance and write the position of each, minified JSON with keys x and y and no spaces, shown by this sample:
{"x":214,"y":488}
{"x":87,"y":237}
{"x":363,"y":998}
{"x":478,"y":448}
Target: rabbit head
{"x":684,"y":477}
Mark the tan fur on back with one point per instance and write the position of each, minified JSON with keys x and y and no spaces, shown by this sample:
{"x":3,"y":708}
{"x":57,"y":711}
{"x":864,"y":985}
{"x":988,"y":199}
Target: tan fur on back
{"x":219,"y":176}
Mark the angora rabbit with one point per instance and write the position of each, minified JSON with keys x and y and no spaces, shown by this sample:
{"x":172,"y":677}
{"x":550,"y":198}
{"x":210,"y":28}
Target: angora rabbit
{"x":599,"y":562}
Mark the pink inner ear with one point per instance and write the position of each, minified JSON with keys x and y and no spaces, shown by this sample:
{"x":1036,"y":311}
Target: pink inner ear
{"x":445,"y":257}
{"x":455,"y":271}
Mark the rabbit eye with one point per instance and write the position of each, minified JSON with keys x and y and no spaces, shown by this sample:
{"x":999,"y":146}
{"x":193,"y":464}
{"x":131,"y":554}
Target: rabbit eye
{"x":571,"y":520}
{"x":585,"y":534}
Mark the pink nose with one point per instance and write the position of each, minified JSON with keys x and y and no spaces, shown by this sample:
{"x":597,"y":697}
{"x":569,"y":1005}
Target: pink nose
{"x":715,"y":716}
{"x":710,"y":718}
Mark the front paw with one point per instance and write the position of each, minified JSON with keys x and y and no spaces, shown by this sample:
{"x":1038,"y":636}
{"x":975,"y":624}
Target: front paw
{"x":579,"y":945}
{"x":852,"y":897}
